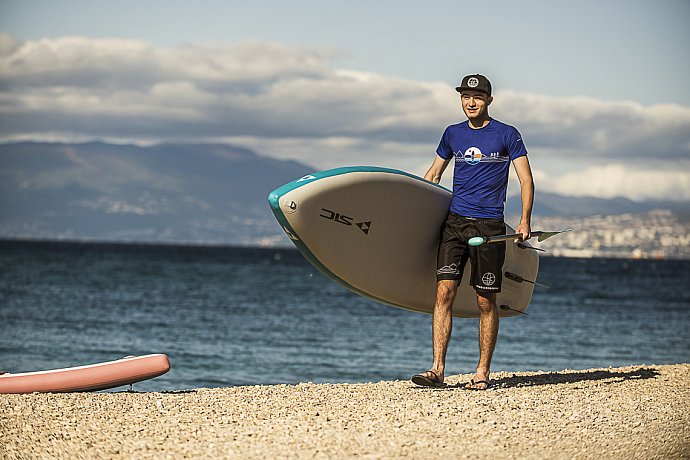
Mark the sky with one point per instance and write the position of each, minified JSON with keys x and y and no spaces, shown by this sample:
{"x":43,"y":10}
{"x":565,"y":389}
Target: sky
{"x":598,"y":90}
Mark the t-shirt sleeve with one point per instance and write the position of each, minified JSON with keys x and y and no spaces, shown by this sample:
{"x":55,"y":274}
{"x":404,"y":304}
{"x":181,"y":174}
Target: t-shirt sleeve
{"x":444,"y":150}
{"x":516,"y":148}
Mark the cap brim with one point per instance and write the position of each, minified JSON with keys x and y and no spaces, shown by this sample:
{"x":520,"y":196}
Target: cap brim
{"x":460,"y":89}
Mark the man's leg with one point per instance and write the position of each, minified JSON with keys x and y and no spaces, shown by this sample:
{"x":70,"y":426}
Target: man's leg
{"x":441,"y":327}
{"x":442,"y":323}
{"x":487,"y":277}
{"x":488,"y":333}
{"x":450,"y":263}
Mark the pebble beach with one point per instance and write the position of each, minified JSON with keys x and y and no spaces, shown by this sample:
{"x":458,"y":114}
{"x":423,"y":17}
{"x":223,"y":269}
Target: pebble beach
{"x":639,"y":412}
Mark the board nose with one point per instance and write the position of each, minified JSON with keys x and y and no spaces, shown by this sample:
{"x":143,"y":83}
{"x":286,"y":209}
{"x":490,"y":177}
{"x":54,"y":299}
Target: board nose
{"x":274,"y":200}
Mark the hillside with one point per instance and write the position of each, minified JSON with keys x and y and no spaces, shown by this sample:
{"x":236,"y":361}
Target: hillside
{"x":201,"y":193}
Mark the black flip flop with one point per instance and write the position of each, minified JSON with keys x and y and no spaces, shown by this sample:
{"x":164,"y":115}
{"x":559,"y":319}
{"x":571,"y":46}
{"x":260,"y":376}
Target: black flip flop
{"x":424,"y":381}
{"x":476,"y":382}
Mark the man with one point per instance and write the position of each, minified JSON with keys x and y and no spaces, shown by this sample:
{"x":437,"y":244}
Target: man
{"x":483,"y":149}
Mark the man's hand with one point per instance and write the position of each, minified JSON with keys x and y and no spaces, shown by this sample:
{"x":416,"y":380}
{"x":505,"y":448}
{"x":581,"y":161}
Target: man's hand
{"x":525,"y":230}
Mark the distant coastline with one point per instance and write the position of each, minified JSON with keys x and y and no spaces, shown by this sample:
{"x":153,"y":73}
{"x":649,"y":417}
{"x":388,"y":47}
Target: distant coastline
{"x":553,"y":247}
{"x":657,"y":234}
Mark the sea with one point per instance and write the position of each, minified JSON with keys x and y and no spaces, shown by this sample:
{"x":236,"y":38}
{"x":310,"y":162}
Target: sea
{"x":229,"y":316}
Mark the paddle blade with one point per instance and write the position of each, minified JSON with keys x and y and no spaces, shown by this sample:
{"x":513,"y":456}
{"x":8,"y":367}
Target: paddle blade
{"x":545,"y":235}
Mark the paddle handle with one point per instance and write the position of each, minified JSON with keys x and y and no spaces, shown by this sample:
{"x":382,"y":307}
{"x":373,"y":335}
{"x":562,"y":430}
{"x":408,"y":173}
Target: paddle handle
{"x":479,"y":240}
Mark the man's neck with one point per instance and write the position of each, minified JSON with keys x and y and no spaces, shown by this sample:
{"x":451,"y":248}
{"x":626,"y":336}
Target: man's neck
{"x":479,"y":123}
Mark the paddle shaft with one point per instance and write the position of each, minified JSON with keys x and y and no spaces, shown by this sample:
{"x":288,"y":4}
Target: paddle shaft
{"x":512,"y":236}
{"x":541,"y":236}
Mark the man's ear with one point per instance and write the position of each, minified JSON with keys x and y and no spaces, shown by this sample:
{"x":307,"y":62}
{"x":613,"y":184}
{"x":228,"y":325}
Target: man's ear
{"x":489,"y":100}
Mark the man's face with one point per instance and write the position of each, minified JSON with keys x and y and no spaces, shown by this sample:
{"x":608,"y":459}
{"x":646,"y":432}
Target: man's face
{"x":475,"y":104}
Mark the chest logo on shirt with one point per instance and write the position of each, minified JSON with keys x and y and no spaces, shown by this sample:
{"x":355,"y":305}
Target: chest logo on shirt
{"x":473,"y":156}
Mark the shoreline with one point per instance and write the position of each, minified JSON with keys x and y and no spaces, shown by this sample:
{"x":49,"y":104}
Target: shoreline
{"x":625,"y":412}
{"x":565,"y":253}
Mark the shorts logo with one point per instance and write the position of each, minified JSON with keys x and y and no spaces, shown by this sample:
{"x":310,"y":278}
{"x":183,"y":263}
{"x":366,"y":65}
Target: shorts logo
{"x":472,"y":156}
{"x":488,"y":279}
{"x":473,"y":82}
{"x":451,"y":269}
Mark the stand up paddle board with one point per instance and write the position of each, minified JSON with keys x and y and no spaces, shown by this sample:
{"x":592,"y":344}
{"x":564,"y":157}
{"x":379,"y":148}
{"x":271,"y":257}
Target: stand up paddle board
{"x":92,"y":377}
{"x":376,"y":231}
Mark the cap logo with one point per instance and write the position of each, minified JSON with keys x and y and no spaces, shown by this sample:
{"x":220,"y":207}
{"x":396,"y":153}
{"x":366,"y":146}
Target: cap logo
{"x":473,"y":82}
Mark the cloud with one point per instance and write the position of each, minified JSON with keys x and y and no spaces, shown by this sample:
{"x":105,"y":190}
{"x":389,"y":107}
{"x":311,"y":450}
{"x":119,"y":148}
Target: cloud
{"x":118,"y":64}
{"x":290,"y":101}
{"x":593,"y":128}
{"x":616,"y":179}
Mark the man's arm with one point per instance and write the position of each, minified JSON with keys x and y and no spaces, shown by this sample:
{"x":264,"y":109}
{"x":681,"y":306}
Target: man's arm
{"x":524,"y":173}
{"x":436,"y":171}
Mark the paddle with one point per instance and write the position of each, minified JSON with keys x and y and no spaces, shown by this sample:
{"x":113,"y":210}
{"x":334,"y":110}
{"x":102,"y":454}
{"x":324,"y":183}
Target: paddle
{"x":541,"y":236}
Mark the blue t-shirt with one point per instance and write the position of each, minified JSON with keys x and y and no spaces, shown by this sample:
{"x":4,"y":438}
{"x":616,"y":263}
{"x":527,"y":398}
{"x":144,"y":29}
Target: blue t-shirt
{"x":482,"y":164}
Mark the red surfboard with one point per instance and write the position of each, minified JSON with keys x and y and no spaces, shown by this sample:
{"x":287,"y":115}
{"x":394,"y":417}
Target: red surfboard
{"x":92,"y":377}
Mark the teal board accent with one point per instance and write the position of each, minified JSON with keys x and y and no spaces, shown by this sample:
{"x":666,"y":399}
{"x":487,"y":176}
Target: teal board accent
{"x":275,"y":195}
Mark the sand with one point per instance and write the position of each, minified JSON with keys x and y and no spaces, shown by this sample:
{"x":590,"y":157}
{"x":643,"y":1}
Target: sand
{"x":638,"y":412}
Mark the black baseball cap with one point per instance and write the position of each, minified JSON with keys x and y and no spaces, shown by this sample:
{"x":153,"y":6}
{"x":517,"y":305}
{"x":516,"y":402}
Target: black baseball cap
{"x":475,"y":82}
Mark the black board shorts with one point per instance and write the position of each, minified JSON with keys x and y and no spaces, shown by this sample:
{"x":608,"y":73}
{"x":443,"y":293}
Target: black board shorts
{"x":487,"y":259}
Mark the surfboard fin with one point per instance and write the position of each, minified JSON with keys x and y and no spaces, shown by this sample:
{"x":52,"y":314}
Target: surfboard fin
{"x":519,"y":279}
{"x":524,"y":246}
{"x":506,"y":307}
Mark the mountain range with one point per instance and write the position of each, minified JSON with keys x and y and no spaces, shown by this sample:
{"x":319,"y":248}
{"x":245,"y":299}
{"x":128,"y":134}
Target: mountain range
{"x":177,"y":193}
{"x":554,"y":205}
{"x":204,"y":193}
